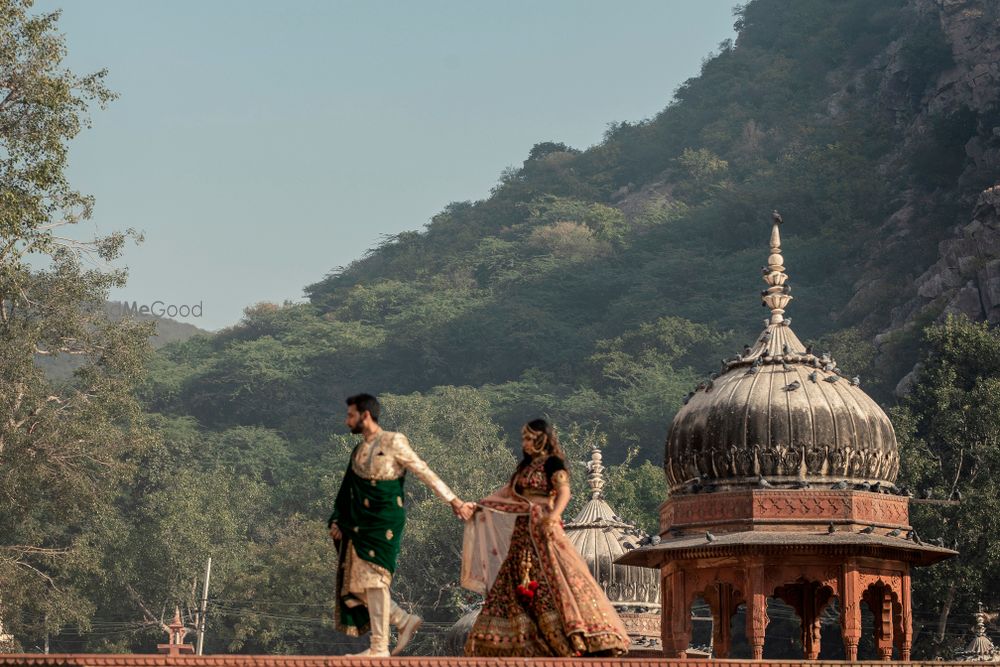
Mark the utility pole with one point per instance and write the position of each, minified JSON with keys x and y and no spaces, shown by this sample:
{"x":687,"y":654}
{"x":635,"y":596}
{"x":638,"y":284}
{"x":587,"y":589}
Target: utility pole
{"x":204,"y":607}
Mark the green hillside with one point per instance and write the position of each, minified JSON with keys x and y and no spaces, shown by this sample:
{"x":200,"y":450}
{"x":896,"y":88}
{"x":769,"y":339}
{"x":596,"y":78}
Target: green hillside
{"x":597,"y":286}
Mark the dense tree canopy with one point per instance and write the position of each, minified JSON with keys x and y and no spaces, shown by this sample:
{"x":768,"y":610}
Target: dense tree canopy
{"x":949,"y":433}
{"x":62,"y":444}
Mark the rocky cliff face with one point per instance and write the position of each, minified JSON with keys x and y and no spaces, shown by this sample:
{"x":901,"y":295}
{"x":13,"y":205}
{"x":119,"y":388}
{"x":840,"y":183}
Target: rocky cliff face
{"x":971,"y":27}
{"x":965,"y":280}
{"x":965,"y":277}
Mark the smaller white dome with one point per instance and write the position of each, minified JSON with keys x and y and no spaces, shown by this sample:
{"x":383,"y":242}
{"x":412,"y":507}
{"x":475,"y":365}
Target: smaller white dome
{"x":600,"y":536}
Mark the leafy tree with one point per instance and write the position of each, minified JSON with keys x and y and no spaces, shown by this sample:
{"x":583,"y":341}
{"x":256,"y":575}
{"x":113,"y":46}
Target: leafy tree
{"x":546,"y":148}
{"x":648,"y":371}
{"x":949,"y":433}
{"x":703,"y":170}
{"x":62,"y":444}
{"x":566,"y":240}
{"x":252,"y":380}
{"x":282,"y":603}
{"x":607,"y":224}
{"x":177,"y":510}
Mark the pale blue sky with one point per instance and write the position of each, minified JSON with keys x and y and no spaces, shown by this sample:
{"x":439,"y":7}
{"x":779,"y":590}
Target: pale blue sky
{"x":259,"y":145}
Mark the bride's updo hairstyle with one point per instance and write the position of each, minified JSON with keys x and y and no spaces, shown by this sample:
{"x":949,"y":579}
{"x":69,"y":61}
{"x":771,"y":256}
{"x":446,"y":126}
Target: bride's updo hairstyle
{"x":544,"y":443}
{"x":544,"y":438}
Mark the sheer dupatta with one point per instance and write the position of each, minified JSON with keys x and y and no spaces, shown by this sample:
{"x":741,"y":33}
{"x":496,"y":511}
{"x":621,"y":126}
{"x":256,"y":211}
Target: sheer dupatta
{"x":487,"y":539}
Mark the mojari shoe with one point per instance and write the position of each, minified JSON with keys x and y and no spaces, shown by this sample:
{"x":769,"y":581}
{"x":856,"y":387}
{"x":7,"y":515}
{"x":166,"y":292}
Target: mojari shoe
{"x":406,"y":632}
{"x":368,"y":653}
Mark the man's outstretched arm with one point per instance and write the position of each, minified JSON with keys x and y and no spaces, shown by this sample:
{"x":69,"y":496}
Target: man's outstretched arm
{"x":410,"y":460}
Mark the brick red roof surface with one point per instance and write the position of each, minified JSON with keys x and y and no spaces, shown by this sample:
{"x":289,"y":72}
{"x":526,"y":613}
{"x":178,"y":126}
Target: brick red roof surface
{"x":150,"y":660}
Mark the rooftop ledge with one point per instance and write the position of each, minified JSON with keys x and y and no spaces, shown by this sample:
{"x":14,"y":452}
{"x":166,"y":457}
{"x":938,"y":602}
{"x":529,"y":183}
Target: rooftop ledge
{"x":150,"y":660}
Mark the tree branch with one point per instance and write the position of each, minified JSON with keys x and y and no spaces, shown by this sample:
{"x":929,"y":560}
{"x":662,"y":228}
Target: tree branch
{"x":958,"y":471}
{"x":150,"y":619}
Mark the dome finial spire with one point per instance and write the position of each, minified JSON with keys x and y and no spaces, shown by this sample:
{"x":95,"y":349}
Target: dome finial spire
{"x":595,"y":474}
{"x":778,"y":295}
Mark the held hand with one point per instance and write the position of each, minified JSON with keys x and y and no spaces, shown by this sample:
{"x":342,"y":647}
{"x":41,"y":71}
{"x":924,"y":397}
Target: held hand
{"x":467,"y":510}
{"x":462,"y":510}
{"x":334,"y":531}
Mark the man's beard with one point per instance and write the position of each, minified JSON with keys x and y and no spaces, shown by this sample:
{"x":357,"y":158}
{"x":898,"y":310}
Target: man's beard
{"x":357,"y":429}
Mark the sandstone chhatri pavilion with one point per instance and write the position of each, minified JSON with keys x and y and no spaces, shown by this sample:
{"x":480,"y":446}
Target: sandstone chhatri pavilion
{"x":781,"y":473}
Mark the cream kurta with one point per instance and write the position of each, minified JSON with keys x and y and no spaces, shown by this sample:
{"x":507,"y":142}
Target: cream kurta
{"x":387,"y":456}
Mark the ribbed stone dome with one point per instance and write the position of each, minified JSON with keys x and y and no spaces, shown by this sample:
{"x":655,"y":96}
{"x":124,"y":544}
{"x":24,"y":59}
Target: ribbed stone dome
{"x":780,"y":412}
{"x":600,"y":536}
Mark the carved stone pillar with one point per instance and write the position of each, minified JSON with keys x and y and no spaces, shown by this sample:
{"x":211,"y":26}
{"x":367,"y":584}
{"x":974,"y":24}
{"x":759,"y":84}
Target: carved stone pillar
{"x":905,"y":637}
{"x":667,"y":605}
{"x":756,"y":610}
{"x":878,"y":596}
{"x":814,"y":601}
{"x":882,"y":597}
{"x":674,"y":630}
{"x":850,"y":615}
{"x":722,"y":604}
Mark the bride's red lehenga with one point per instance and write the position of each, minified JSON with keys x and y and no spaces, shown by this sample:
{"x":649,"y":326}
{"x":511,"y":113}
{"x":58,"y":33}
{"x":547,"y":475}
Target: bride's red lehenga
{"x":544,"y":601}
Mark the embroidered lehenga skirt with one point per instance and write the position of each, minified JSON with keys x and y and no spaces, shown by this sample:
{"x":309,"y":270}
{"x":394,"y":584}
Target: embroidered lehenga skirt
{"x":566,"y":614}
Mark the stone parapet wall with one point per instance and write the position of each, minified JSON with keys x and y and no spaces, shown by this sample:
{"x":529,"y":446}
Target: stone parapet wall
{"x":145,"y":660}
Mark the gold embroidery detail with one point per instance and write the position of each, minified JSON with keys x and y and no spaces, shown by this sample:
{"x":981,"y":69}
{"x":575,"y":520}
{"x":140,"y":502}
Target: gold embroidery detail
{"x":366,"y":503}
{"x":399,"y":500}
{"x":371,"y":553}
{"x":560,"y":478}
{"x":388,"y":534}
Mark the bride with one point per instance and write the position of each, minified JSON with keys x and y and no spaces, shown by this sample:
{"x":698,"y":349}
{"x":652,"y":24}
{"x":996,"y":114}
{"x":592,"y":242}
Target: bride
{"x":542,"y":599}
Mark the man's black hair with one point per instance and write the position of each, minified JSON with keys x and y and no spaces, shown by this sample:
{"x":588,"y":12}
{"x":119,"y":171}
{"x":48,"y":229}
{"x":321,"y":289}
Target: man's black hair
{"x":366,"y":403}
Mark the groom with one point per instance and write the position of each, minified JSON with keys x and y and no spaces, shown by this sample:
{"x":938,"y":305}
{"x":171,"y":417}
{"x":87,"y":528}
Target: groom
{"x":367,"y":526}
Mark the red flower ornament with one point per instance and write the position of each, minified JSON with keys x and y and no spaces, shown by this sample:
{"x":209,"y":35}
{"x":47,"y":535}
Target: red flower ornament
{"x":526,"y":593}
